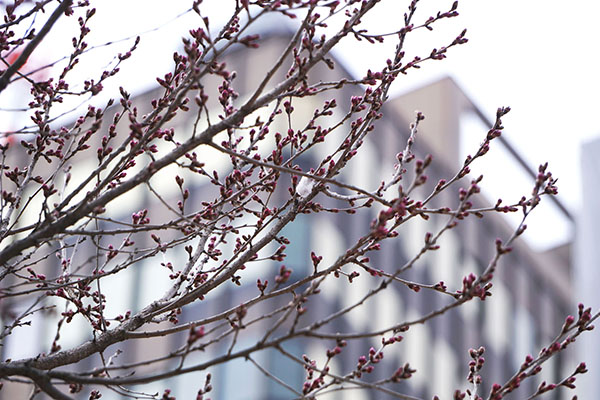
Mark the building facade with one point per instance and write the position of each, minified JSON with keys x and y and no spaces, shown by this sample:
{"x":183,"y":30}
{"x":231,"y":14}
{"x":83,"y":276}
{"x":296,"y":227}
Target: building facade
{"x":531,"y":293}
{"x":587,"y":260}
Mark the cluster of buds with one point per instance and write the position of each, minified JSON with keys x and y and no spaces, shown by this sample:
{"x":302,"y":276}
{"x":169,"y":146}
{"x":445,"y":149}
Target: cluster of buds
{"x":475,"y":365}
{"x":337,"y":349}
{"x":262,"y":286}
{"x":402,"y":373}
{"x":279,"y":254}
{"x":472,"y":287}
{"x":207,"y":388}
{"x":585,"y":317}
{"x":140,"y":217}
{"x":284,"y":275}
{"x":311,"y":382}
{"x":95,"y":395}
{"x":38,"y":277}
{"x":568,"y":382}
{"x":75,"y":387}
{"x":396,"y":211}
{"x":240,"y":313}
{"x":315,"y":259}
{"x":167,"y":395}
{"x":195,"y":334}
{"x":121,"y":318}
{"x":366,"y":364}
{"x":172,"y":316}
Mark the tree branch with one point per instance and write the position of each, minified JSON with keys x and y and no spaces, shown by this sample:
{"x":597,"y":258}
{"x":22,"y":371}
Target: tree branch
{"x":5,"y":77}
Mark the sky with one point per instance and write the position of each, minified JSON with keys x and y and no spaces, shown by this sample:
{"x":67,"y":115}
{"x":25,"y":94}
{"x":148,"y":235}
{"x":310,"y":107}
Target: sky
{"x":539,"y":57}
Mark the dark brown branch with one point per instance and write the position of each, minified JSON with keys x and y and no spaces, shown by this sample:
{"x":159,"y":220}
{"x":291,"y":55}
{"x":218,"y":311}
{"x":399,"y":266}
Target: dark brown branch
{"x":5,"y":78}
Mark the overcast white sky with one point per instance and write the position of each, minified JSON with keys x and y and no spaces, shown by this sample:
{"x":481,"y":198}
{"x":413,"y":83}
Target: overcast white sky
{"x":540,"y":57}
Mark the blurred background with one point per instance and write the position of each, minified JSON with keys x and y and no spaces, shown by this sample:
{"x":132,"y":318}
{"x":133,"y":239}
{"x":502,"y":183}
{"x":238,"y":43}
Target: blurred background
{"x":538,"y":57}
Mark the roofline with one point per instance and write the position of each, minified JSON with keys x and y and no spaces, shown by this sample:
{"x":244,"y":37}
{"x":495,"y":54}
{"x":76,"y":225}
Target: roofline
{"x":505,"y":142}
{"x":471,"y":106}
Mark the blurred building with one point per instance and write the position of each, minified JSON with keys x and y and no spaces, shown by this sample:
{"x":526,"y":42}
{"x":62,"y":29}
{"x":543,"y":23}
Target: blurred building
{"x":586,"y":266}
{"x":531,"y":293}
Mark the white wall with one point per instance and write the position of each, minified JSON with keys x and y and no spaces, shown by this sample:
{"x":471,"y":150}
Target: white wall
{"x":586,"y":271}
